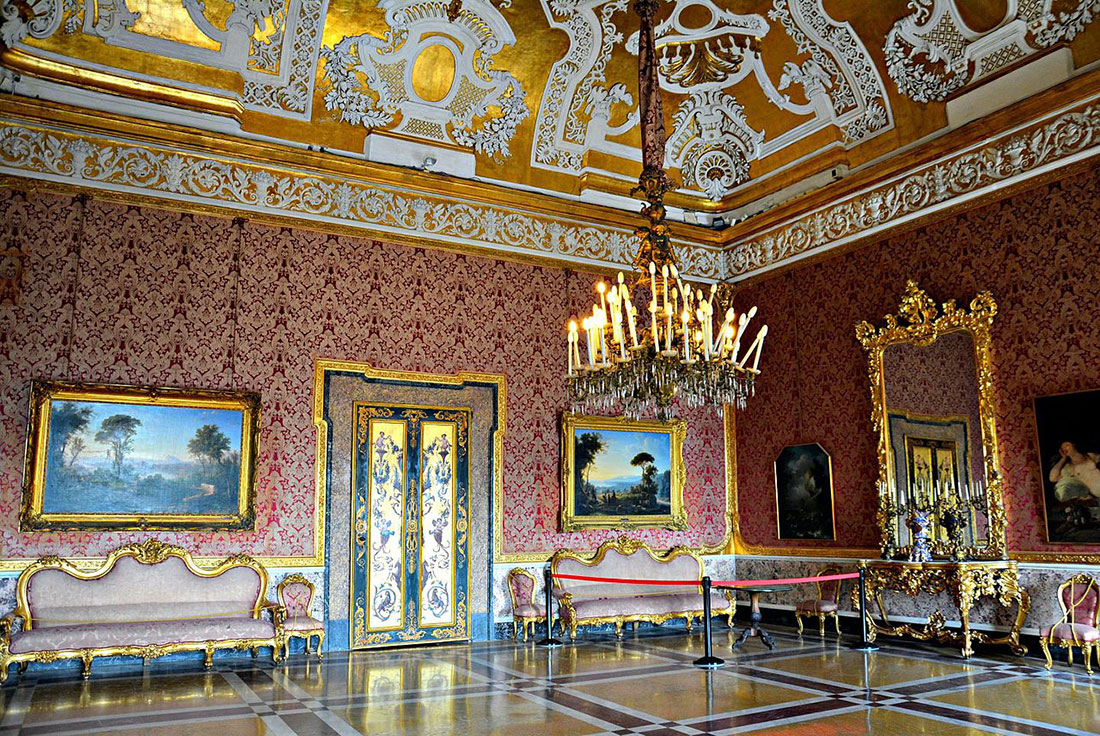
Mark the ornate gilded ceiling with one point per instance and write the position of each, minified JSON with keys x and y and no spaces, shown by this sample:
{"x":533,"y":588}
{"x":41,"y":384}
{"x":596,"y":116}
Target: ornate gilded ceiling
{"x":765,"y":99}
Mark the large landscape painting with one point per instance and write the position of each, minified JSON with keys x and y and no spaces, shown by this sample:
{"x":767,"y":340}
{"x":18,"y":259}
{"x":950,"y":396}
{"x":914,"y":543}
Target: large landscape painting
{"x":622,"y":473}
{"x":111,"y":457}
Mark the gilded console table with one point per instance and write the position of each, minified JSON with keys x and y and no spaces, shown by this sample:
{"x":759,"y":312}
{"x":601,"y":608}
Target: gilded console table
{"x":965,"y":582}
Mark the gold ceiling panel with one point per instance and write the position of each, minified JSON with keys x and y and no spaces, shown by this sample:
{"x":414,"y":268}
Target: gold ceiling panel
{"x":760,"y":95}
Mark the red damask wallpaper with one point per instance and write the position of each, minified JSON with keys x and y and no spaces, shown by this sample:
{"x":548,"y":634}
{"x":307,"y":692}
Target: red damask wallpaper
{"x":1037,"y":253}
{"x":140,"y":295}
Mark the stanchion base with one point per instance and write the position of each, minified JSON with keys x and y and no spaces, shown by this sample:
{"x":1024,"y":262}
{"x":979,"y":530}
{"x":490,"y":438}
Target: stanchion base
{"x":709,"y":663}
{"x":554,"y":643}
{"x":865,"y":646}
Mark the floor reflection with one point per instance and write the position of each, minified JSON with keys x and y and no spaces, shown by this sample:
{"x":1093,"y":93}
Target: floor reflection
{"x":643,"y":684}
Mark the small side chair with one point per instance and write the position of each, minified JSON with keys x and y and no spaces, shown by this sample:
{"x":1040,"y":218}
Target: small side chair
{"x":296,"y":596}
{"x":526,"y":612}
{"x":1079,"y":598}
{"x":825,"y":605}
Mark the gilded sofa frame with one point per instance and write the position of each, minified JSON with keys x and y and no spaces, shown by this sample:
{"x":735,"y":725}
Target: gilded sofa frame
{"x":304,"y":634}
{"x":1086,"y":647}
{"x":920,"y":322}
{"x":149,"y":552}
{"x":629,"y":546}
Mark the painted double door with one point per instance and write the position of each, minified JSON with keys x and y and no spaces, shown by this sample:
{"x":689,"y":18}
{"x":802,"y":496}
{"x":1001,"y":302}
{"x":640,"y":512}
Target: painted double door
{"x":410,"y":542}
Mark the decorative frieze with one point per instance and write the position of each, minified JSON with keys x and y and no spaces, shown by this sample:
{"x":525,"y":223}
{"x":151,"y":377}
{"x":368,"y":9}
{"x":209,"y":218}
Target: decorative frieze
{"x":222,"y":181}
{"x":1008,"y":158}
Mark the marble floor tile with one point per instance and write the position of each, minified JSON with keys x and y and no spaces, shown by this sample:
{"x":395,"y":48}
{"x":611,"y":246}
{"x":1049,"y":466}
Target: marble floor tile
{"x":643,"y":685}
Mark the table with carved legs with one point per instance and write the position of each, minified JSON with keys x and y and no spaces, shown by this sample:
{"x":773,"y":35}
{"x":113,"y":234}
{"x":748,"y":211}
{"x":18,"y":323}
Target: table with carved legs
{"x":964,"y":582}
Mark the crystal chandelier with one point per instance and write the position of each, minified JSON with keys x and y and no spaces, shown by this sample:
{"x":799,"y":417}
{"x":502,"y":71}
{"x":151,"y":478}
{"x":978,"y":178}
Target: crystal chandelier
{"x":682,"y":345}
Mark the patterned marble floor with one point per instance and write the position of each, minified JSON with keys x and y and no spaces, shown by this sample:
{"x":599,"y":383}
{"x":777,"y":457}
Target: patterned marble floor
{"x":643,"y":685}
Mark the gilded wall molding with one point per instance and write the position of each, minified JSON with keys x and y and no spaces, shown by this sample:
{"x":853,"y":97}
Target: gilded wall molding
{"x":1065,"y":137}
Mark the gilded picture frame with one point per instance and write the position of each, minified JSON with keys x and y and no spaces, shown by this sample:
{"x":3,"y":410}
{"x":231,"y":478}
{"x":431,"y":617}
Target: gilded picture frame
{"x":804,"y":506}
{"x":1067,"y":443}
{"x":104,"y":457}
{"x":920,"y":321}
{"x":619,"y":473}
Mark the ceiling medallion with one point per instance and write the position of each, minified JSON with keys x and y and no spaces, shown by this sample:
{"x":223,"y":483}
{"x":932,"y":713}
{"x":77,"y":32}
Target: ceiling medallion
{"x":639,"y":369}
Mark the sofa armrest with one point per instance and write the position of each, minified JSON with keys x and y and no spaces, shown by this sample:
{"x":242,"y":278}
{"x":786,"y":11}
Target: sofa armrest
{"x":7,"y":624}
{"x":277,"y":611}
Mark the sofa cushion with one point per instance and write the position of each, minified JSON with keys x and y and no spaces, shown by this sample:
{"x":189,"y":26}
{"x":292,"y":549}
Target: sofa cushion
{"x":644,"y":605}
{"x":133,"y":591}
{"x":1070,"y":632}
{"x":89,"y":636}
{"x":637,"y":566}
{"x":816,"y":607}
{"x":302,"y":623}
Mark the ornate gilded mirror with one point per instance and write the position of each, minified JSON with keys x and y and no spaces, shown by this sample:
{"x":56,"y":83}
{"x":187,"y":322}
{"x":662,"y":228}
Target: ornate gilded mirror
{"x":932,"y":411}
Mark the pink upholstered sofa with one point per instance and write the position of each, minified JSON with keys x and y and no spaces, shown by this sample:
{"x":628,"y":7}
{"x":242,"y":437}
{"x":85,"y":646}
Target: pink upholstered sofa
{"x":585,"y":602}
{"x":146,"y":600}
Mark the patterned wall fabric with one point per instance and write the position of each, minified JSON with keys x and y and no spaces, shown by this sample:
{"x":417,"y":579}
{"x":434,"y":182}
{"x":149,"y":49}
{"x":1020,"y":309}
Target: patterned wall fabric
{"x":140,"y":295}
{"x":1036,"y":252}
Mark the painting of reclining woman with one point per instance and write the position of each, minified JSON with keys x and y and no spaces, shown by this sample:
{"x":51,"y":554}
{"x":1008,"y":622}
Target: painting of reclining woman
{"x":116,"y":457}
{"x":621,"y":473}
{"x":1068,"y":427}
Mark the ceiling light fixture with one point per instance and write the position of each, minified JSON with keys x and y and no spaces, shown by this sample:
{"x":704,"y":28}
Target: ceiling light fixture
{"x":675,"y":352}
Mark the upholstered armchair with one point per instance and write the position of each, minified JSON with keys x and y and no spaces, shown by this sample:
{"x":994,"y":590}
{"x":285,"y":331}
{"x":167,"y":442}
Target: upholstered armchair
{"x":296,"y":596}
{"x":825,"y":605}
{"x":1079,"y":598}
{"x":526,"y":611}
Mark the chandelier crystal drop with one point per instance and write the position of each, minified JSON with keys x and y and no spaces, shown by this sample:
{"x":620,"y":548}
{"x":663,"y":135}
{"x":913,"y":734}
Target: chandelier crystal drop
{"x":681,"y":345}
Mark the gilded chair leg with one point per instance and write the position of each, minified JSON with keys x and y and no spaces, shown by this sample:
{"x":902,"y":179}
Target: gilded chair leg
{"x":836,"y":622}
{"x":1086,"y":650}
{"x":208,"y":660}
{"x":618,"y":629}
{"x":3,"y":671}
{"x":687,"y":619}
{"x":307,"y":638}
{"x":1069,"y":654}
{"x":798,"y":620}
{"x":1046,"y":651}
{"x":255,"y":651}
{"x":821,"y":625}
{"x":86,"y":665}
{"x":320,"y":643}
{"x":729,"y":619}
{"x":22,"y":668}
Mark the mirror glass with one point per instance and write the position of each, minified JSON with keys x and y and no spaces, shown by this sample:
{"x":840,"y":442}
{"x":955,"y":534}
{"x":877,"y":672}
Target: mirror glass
{"x":934,"y":429}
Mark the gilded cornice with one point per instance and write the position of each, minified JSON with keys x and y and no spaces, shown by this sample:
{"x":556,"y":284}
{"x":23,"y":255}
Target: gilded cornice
{"x":1060,"y":139}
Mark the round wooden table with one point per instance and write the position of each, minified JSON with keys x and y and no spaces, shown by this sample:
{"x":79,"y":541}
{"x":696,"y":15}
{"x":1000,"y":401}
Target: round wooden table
{"x":754,"y":628}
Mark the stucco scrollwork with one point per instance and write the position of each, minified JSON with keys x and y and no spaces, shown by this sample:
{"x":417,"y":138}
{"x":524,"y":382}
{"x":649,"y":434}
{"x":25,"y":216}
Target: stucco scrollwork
{"x":932,"y":52}
{"x":389,"y":99}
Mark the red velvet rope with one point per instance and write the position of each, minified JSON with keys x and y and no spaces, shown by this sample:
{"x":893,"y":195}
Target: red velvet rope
{"x":724,"y":583}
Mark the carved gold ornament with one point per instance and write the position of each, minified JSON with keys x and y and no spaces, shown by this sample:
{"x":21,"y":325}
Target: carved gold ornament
{"x":965,"y":582}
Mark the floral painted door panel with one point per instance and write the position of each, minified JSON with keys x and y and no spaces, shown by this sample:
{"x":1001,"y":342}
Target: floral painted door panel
{"x":410,"y":548}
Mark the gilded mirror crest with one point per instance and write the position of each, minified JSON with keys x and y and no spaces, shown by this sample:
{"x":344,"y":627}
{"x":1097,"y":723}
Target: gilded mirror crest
{"x":931,"y":378}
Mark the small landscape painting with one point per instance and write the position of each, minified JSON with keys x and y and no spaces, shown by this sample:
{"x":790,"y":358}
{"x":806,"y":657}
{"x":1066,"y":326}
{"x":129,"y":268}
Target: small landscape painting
{"x":622,"y":473}
{"x":804,"y":493}
{"x":115,"y":457}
